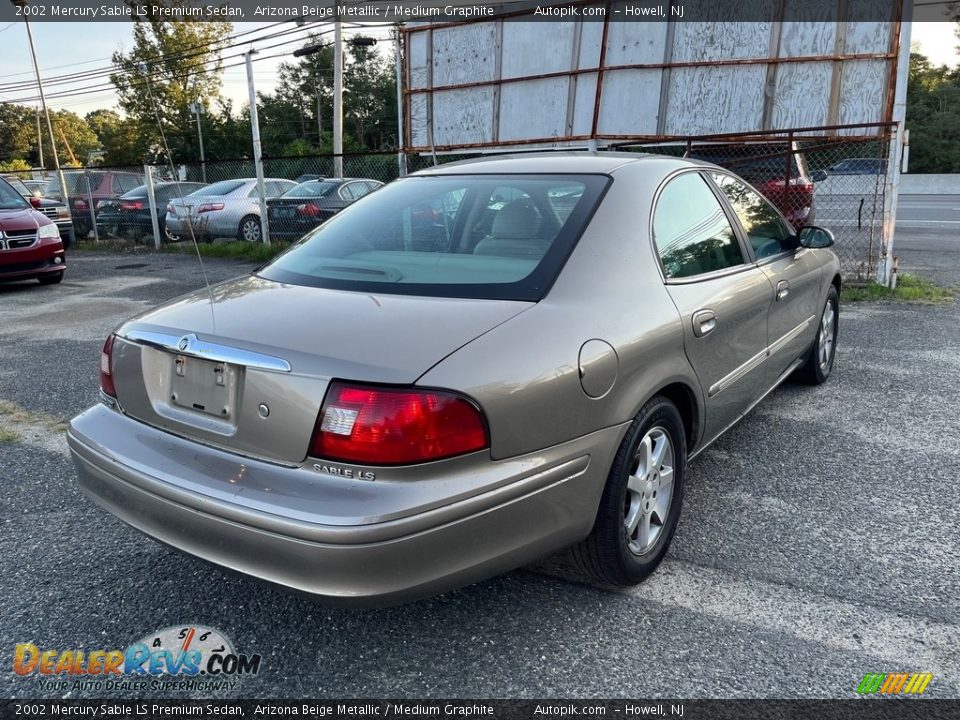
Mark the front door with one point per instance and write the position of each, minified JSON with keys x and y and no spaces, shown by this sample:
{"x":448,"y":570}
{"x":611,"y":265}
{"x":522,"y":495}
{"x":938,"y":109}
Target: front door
{"x":722,"y":298}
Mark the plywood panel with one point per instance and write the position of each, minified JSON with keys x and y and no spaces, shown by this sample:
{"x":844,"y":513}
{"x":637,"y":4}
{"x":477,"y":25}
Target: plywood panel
{"x":583,"y":105}
{"x":417,"y":60}
{"x":418,"y":120}
{"x":862,"y":92}
{"x":706,"y":100}
{"x":802,"y":97}
{"x":701,"y":41}
{"x":625,"y":106}
{"x":635,"y":42}
{"x":464,"y":53}
{"x":526,"y":53}
{"x":463,"y":116}
{"x":534,"y":109}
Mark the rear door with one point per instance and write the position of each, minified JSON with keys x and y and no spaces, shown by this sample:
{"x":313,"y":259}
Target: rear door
{"x":722,"y":297}
{"x":794,"y":273}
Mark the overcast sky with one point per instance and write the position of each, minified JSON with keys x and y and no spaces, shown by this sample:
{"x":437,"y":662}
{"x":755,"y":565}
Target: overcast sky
{"x":75,"y":47}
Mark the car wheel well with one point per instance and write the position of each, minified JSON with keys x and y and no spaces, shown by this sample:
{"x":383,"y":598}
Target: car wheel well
{"x":837,"y":282}
{"x":683,"y":398}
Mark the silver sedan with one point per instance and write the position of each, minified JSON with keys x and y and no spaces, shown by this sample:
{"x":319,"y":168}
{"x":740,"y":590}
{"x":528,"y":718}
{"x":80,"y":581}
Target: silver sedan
{"x":473,"y":367}
{"x":227,"y":209}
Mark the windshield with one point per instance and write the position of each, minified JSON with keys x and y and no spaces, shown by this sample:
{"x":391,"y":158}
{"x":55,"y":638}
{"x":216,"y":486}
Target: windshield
{"x":473,"y":236}
{"x":76,"y":184}
{"x":312,"y":188}
{"x":17,"y":184}
{"x":224,"y":187}
{"x":10,"y":199}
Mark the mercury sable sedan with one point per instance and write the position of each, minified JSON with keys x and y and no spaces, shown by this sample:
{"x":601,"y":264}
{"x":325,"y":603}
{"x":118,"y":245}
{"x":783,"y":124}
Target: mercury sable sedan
{"x":395,"y":407}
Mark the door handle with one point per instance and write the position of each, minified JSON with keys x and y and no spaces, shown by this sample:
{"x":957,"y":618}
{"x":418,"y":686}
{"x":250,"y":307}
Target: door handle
{"x":783,"y":289}
{"x":704,"y":322}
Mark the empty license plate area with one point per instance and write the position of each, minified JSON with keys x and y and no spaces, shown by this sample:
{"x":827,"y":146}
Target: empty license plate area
{"x":204,"y":387}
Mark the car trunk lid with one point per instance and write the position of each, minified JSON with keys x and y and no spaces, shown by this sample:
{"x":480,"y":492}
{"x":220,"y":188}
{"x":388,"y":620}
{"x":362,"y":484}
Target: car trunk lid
{"x":245,"y":367}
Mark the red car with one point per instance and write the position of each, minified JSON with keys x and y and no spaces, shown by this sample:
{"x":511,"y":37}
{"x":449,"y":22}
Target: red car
{"x":30,"y":246}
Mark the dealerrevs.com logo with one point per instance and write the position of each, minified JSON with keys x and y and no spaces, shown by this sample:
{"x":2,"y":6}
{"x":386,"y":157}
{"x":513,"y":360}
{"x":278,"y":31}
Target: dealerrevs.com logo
{"x":182,"y":657}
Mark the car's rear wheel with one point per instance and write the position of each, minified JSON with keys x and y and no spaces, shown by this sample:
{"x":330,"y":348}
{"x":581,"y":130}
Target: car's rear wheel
{"x":249,"y":229}
{"x":51,"y":279}
{"x":641,"y":501}
{"x":819,"y":363}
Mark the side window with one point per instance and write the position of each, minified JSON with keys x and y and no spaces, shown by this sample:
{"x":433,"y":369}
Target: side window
{"x":768,"y":233}
{"x":692,"y":233}
{"x":348,"y":192}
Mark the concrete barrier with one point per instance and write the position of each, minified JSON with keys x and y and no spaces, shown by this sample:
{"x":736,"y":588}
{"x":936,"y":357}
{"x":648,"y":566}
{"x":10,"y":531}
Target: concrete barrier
{"x":932,"y":184}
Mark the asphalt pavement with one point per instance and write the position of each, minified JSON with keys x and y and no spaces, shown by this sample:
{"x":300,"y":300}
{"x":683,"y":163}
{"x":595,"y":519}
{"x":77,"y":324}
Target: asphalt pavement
{"x":818,"y":540}
{"x":927,"y":237}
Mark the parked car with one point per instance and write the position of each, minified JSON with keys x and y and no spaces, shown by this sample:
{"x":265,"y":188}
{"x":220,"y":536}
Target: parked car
{"x":84,"y":186}
{"x":229,"y":208}
{"x":30,"y":246}
{"x":369,"y":422}
{"x":305,"y":206}
{"x":56,"y":210}
{"x":764,"y":165}
{"x":853,"y":166}
{"x":130,"y":213}
{"x":36,"y":187}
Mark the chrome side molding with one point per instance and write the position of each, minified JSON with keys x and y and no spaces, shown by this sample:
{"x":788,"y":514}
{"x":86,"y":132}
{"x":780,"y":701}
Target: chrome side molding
{"x":195,"y":347}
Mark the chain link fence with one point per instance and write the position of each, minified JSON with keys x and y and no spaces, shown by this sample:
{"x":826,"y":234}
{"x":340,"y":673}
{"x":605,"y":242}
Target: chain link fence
{"x":836,"y":182}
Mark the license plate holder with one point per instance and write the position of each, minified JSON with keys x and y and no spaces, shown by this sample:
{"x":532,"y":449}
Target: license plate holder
{"x":204,"y":386}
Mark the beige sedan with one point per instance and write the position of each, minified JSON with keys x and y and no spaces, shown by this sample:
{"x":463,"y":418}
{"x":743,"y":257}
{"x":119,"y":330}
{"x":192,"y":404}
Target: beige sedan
{"x":472,"y":367}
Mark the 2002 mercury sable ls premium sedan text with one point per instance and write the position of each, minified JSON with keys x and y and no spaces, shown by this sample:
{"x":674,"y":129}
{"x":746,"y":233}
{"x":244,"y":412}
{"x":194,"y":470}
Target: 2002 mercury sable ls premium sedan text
{"x":472,"y":367}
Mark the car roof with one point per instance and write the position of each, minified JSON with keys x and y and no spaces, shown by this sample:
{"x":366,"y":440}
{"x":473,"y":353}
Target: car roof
{"x":564,"y":162}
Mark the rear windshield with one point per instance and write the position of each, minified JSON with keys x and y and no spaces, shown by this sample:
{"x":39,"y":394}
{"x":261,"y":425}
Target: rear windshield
{"x":10,"y":199}
{"x":471,"y":236}
{"x":224,"y":187}
{"x":313,"y":188}
{"x":76,"y":184}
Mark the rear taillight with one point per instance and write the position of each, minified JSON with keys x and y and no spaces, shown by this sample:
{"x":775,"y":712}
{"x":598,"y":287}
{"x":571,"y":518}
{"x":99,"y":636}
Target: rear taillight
{"x":210,"y":207}
{"x":80,"y":204}
{"x":131,"y":204}
{"x":308,"y":210}
{"x":393,"y":426}
{"x":106,"y":367}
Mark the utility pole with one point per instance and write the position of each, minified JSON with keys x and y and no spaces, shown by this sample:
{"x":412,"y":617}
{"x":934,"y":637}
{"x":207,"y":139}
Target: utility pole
{"x":401,"y":152}
{"x":337,"y":99}
{"x":43,"y":102}
{"x":197,"y":108}
{"x":257,"y":149}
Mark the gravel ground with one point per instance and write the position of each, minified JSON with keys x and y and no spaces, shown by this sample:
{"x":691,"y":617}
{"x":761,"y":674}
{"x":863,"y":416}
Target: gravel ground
{"x":818,"y":541}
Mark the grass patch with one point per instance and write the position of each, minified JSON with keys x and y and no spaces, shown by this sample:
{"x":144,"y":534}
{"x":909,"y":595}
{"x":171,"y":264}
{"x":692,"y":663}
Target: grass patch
{"x":11,"y":412}
{"x":9,"y":436}
{"x":234,"y":250}
{"x":910,"y":288}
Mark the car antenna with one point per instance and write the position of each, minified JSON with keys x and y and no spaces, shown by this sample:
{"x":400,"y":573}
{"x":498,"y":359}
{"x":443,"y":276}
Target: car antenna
{"x":144,"y":70}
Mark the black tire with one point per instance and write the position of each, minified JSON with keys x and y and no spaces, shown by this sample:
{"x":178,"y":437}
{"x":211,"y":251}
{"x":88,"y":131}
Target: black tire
{"x":606,"y":554}
{"x":249,"y":236}
{"x":51,"y":279}
{"x":814,"y":371}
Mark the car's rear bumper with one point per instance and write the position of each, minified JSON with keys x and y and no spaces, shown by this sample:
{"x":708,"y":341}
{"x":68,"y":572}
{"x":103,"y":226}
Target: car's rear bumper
{"x":550,"y":503}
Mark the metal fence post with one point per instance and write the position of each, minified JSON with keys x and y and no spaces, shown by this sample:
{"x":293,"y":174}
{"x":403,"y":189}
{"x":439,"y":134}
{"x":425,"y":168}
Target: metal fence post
{"x":93,"y":217}
{"x":152,"y":196}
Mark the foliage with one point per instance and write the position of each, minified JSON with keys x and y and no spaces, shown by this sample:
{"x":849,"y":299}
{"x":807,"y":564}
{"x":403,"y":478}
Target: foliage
{"x":15,"y":165}
{"x":171,"y":65}
{"x":910,"y":288}
{"x":933,"y":116}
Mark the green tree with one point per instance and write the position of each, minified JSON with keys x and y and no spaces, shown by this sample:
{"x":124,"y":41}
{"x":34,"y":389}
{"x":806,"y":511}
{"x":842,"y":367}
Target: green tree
{"x":933,"y":116}
{"x":182,"y":60}
{"x":121,"y":140}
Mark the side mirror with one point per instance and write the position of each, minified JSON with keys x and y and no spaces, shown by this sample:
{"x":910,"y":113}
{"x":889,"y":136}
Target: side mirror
{"x":812,"y":236}
{"x":35,"y":201}
{"x":819,"y":175}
